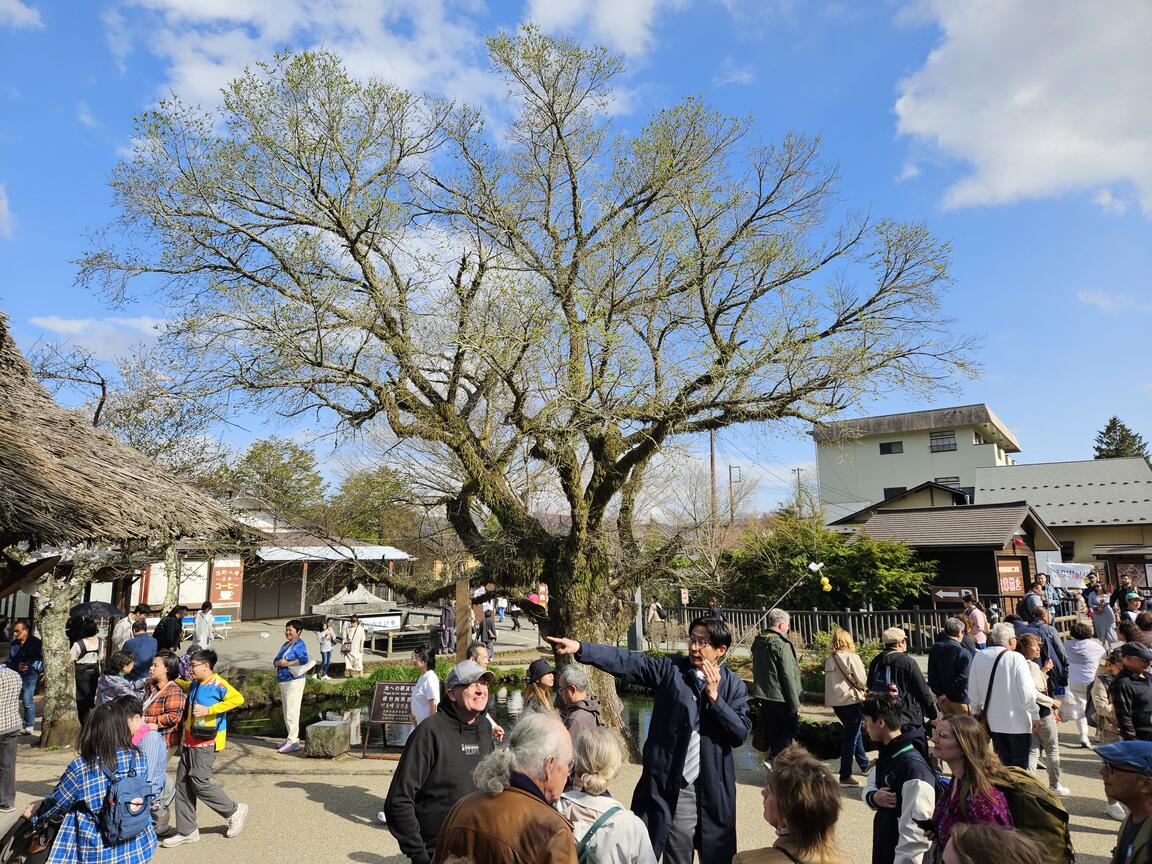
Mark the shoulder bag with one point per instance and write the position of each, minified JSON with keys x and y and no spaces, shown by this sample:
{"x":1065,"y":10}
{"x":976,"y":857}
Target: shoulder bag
{"x":848,"y":674}
{"x":988,"y":695}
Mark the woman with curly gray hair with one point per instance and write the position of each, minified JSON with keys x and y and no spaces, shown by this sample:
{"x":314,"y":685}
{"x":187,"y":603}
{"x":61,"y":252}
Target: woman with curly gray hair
{"x":511,"y":818}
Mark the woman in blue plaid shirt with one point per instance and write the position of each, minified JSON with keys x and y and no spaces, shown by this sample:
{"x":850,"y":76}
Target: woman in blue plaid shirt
{"x":105,"y":739}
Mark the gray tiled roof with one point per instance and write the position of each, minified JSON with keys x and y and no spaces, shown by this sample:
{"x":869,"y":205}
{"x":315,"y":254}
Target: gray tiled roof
{"x":1089,"y":492}
{"x":975,"y":525}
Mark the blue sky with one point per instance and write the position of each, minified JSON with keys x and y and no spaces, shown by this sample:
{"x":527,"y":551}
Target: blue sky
{"x":1021,"y":132}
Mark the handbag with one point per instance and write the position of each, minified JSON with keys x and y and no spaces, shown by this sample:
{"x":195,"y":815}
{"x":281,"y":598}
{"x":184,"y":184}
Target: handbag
{"x":302,"y":669}
{"x":201,"y":728}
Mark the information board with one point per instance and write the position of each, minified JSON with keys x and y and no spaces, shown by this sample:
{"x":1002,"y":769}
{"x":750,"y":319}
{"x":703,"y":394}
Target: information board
{"x":392,"y":702}
{"x":1011,"y":574}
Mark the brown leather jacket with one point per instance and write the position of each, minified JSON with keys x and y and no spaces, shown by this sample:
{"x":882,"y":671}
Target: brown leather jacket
{"x":514,"y":827}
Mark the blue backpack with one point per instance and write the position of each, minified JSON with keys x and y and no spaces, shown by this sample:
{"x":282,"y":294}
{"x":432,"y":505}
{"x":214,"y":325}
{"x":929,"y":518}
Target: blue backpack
{"x":127,"y":810}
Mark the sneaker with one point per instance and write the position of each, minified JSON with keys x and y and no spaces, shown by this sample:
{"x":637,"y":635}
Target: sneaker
{"x":1061,"y":790}
{"x":382,"y":817}
{"x":1116,"y":811}
{"x":288,"y":747}
{"x":849,"y":781}
{"x":236,"y":820}
{"x":7,"y":809}
{"x":1085,"y":743}
{"x":28,"y":730}
{"x":180,"y":839}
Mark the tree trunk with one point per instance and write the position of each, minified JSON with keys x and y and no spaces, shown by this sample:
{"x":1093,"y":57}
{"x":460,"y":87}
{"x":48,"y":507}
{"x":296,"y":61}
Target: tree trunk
{"x":581,"y":606}
{"x":172,"y":571}
{"x":57,"y":595}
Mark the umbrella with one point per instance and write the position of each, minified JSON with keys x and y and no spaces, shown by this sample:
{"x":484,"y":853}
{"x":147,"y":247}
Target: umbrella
{"x":96,"y":609}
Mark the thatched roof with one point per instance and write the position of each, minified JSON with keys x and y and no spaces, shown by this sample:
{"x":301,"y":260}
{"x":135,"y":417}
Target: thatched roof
{"x":63,"y":481}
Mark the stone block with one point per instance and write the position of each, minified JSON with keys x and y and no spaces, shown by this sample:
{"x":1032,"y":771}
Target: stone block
{"x":327,"y":739}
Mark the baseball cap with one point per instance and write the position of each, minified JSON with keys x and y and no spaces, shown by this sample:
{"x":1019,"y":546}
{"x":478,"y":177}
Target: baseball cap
{"x":1131,"y":595}
{"x":1136,"y":649}
{"x":468,"y":672}
{"x":538,"y":669}
{"x":1128,"y":754}
{"x":893,"y":636}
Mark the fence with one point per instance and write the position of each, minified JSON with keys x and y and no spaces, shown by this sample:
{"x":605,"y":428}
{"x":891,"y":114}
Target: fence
{"x":921,"y":625}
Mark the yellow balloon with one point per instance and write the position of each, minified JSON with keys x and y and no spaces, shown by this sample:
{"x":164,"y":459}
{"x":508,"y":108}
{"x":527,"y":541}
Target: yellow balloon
{"x":827,"y":587}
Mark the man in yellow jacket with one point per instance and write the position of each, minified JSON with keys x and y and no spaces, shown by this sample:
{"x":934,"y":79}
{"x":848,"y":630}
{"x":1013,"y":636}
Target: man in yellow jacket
{"x":210,"y":698}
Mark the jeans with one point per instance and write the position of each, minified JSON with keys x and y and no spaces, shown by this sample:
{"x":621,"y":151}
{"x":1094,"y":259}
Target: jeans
{"x":8,"y":769}
{"x":851,"y":740}
{"x":1047,"y":739}
{"x":28,"y":682}
{"x":325,"y":659}
{"x":1012,"y":747}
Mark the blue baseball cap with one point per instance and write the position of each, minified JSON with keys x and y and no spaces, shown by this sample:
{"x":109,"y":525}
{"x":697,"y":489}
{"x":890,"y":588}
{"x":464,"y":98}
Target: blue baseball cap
{"x":1136,"y":755}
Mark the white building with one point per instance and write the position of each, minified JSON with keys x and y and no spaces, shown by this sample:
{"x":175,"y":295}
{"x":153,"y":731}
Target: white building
{"x":870,"y":459}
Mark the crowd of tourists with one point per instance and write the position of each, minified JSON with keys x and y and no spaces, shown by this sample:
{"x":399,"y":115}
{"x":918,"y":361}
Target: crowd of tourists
{"x":953,"y":780}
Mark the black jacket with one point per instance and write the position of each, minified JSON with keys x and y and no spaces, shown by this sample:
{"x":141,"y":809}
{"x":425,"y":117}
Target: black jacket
{"x":917,"y":701}
{"x":169,"y":631}
{"x":948,"y":665}
{"x":435,"y":772}
{"x":1132,"y":699}
{"x":901,"y":768}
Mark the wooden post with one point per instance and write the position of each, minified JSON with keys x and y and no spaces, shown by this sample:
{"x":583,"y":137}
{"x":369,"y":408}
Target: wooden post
{"x":303,"y":585}
{"x":463,"y":617}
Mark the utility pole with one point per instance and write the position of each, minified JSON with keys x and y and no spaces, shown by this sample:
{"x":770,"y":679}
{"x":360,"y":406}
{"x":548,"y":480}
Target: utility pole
{"x":799,"y":505}
{"x":731,"y":495}
{"x":712,"y":468}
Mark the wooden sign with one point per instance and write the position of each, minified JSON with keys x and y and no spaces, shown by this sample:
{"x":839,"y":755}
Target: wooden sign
{"x":1011,"y":576}
{"x":227,"y":583}
{"x":950,"y":593}
{"x":392,"y":702}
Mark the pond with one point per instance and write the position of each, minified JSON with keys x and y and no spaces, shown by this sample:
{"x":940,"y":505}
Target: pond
{"x":505,"y":704}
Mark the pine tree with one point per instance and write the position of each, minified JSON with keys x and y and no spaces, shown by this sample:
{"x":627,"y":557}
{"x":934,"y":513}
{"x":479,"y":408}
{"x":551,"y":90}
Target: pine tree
{"x":1116,"y":440}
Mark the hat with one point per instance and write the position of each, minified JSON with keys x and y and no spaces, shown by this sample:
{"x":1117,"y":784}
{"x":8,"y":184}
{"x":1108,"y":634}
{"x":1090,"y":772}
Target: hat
{"x":1132,"y":595}
{"x":1136,"y":649}
{"x":1129,"y":754}
{"x":893,"y":636}
{"x":538,"y":669}
{"x":468,"y":672}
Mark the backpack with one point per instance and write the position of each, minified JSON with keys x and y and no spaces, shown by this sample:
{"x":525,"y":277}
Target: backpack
{"x":1090,"y":710}
{"x":882,"y":682}
{"x":584,"y":855}
{"x":1039,"y":814}
{"x":127,"y":808}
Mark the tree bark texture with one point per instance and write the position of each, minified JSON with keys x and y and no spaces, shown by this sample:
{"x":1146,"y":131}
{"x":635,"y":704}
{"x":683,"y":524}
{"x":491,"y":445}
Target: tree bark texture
{"x":60,"y":726}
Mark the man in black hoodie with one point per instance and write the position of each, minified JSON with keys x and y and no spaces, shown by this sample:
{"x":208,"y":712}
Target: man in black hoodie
{"x":1131,"y":693}
{"x":893,"y":671}
{"x":901,"y":786}
{"x":435,"y":769}
{"x":948,"y":665}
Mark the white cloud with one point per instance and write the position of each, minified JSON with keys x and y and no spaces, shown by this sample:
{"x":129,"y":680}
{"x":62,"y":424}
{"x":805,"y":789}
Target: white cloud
{"x":7,"y":221}
{"x":85,"y":116}
{"x":433,"y":45}
{"x":1109,"y":203}
{"x":910,"y":172}
{"x":730,"y":73}
{"x":623,"y":25}
{"x":106,"y":338}
{"x":1037,"y":99}
{"x":15,"y":14}
{"x":1112,"y":302}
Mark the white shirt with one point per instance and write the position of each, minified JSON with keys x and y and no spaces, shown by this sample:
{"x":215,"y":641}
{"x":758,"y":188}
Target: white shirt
{"x":1012,"y":707}
{"x":428,"y":687}
{"x":122,"y":632}
{"x":202,"y":628}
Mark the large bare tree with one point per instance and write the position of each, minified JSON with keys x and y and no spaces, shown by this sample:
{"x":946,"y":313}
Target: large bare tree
{"x":551,"y":290}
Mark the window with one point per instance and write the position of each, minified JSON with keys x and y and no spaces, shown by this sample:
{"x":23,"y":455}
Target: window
{"x":954,"y":482}
{"x":970,"y":491}
{"x":977,"y":438}
{"x":940,"y":442}
{"x":888,"y":448}
{"x":1067,"y":550}
{"x":893,"y":491}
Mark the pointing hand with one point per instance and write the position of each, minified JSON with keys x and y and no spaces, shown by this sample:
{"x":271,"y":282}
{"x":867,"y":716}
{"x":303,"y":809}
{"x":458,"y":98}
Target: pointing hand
{"x":563,"y":646}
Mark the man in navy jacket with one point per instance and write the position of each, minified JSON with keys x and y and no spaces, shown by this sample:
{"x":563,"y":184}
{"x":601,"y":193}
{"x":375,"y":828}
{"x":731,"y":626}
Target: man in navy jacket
{"x":687,"y":792}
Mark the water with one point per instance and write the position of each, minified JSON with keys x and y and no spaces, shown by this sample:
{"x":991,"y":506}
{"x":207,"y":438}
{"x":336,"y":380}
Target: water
{"x":505,"y":704}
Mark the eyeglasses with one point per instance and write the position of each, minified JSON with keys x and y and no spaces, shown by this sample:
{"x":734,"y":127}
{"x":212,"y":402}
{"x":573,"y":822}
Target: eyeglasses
{"x":700,"y":643}
{"x":1119,"y":769}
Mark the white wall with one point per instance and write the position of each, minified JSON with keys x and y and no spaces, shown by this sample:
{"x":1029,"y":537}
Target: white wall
{"x":854,"y":471}
{"x":193,"y":583}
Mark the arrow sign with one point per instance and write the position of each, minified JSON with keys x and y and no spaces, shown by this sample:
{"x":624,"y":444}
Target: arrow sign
{"x":950,"y":593}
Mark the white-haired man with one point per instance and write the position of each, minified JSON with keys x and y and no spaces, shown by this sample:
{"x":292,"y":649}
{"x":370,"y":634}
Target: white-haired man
{"x":776,"y":685}
{"x":512,"y":818}
{"x":579,"y":708}
{"x":1000,"y":687}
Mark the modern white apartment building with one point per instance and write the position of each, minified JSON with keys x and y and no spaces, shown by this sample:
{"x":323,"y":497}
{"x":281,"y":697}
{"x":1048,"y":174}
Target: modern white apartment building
{"x":863,"y":461}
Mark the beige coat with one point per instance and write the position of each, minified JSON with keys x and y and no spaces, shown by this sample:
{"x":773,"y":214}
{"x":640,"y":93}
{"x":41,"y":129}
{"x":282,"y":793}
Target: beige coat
{"x":773,"y":855}
{"x":1107,"y":731}
{"x":838,"y":690}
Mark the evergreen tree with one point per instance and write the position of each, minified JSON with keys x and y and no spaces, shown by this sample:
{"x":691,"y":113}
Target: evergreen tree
{"x":1116,"y":440}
